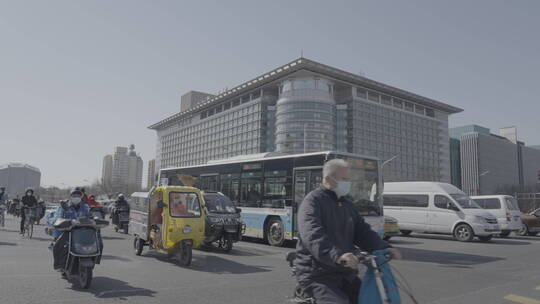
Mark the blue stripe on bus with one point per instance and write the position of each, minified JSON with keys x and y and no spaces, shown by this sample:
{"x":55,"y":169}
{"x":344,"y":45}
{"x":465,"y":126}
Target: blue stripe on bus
{"x":255,"y":223}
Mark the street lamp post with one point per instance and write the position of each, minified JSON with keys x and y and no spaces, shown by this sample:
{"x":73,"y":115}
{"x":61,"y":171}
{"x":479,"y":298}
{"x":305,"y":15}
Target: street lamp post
{"x":305,"y":125}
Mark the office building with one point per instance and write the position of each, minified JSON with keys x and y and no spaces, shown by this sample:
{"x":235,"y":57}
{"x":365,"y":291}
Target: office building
{"x":152,"y":174}
{"x":18,"y":177}
{"x":122,"y":171}
{"x":489,"y":163}
{"x":306,"y":106}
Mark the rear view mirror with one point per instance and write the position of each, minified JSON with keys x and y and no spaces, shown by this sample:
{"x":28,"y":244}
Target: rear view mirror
{"x":161,"y":204}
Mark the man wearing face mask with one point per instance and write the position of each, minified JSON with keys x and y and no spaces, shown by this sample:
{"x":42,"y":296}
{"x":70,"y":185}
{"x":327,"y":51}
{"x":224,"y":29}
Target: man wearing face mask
{"x":75,"y":208}
{"x":329,"y":229}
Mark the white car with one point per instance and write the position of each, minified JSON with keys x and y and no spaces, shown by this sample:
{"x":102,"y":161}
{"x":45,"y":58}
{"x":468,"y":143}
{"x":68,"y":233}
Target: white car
{"x":505,"y":208}
{"x":431,"y":207}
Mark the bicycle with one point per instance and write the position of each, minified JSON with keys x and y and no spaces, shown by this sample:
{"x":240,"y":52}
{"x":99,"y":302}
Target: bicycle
{"x":30,"y":218}
{"x":378,"y":285}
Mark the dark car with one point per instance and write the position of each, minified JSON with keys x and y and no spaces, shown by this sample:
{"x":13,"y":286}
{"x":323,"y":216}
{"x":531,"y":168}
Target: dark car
{"x":531,"y":223}
{"x":223,"y":223}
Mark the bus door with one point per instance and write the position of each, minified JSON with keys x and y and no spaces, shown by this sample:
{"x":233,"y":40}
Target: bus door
{"x":305,"y":180}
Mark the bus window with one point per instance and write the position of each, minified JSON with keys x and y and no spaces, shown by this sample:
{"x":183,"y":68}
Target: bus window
{"x":209,"y":182}
{"x":251,"y":189}
{"x":230,"y":186}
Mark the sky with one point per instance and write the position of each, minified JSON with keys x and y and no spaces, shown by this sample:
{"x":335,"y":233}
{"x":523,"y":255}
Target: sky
{"x":78,"y":78}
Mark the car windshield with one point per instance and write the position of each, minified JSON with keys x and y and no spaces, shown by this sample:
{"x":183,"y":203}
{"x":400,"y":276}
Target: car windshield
{"x":512,"y":204}
{"x":464,"y":201}
{"x":218,"y":203}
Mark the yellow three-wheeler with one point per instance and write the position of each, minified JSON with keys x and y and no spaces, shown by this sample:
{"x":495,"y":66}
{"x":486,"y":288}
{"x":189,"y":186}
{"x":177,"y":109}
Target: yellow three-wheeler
{"x":170,"y":220}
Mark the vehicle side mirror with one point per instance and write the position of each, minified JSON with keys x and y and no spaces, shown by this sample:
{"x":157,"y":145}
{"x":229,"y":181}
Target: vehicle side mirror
{"x":451,"y":206}
{"x":161,"y":204}
{"x":238,"y":210}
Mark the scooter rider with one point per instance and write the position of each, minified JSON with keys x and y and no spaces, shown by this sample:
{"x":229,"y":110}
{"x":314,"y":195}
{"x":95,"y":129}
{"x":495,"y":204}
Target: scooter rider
{"x":329,"y":228}
{"x":119,"y":204}
{"x":28,"y":201}
{"x":75,"y":208}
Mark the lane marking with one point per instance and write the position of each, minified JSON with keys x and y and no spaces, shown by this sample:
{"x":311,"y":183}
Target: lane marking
{"x":522,"y":300}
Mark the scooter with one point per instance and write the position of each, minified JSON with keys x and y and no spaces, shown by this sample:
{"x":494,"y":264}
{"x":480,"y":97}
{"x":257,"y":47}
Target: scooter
{"x":375,"y":287}
{"x":123,"y":220}
{"x":84,"y":248}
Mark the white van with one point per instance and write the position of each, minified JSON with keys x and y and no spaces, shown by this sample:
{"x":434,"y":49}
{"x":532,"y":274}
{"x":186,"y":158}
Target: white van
{"x":505,"y":208}
{"x":432,"y":207}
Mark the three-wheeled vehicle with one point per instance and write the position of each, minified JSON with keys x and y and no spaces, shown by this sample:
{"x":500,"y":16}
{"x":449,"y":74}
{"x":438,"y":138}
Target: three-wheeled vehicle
{"x":169,"y":220}
{"x":223,"y":222}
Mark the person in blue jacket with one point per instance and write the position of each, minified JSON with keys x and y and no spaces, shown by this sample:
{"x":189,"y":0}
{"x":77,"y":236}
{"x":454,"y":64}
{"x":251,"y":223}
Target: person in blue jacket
{"x":329,"y":229}
{"x":75,"y":208}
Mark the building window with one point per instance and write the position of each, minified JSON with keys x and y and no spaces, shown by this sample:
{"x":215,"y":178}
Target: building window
{"x":373,"y":96}
{"x":409,"y":107}
{"x":361,"y":93}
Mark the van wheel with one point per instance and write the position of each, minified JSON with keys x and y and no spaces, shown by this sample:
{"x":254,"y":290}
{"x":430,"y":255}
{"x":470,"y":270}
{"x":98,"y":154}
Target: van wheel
{"x":274,"y":232}
{"x":463,"y":233}
{"x":524,"y":230}
{"x":406,"y":232}
{"x":485,"y":238}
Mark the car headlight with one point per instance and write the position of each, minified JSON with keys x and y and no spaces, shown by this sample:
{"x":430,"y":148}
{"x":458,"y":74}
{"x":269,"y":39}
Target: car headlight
{"x":480,"y":219}
{"x":186,"y":230}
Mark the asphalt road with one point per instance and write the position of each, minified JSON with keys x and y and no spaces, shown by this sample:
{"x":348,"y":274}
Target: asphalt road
{"x":438,"y":269}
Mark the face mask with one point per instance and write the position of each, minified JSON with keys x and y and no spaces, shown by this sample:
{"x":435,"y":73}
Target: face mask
{"x":76,"y":200}
{"x":343,"y":187}
{"x":28,"y":193}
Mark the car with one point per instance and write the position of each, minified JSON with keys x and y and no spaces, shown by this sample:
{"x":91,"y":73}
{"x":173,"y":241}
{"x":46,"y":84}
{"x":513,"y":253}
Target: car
{"x":531,"y":223}
{"x":391,"y":227}
{"x":505,"y":208}
{"x":439,"y":208}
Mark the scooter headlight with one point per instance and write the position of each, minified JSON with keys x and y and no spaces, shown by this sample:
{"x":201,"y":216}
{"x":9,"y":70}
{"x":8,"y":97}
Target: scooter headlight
{"x":85,"y":248}
{"x":186,"y":230}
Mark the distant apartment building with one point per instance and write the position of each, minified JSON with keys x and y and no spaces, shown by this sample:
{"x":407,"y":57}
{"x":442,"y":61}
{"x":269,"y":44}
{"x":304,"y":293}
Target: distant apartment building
{"x":106,"y":172}
{"x":306,"y":106}
{"x":122,"y":171}
{"x":485,"y":163}
{"x":152,"y":174}
{"x":17,"y":177}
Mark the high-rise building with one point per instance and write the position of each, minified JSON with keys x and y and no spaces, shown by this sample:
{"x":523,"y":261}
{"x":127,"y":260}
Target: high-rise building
{"x":489,"y":163}
{"x":106,"y":172}
{"x":306,"y":106}
{"x":152,"y":174}
{"x":17,"y":177}
{"x":126,"y":170}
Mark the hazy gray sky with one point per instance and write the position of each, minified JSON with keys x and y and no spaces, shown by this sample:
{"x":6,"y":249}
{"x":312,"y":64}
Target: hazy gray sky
{"x":78,"y":78}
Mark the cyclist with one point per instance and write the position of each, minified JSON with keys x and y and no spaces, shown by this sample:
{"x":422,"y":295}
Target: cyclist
{"x":3,"y":203}
{"x":28,"y":201}
{"x":329,"y":229}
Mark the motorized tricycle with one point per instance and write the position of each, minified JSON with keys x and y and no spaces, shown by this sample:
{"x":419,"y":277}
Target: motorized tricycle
{"x":223,"y":222}
{"x":84,"y":248}
{"x":171,"y":221}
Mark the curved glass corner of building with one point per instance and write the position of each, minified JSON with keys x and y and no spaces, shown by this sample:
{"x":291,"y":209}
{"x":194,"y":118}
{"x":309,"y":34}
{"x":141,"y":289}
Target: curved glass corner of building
{"x":305,"y":116}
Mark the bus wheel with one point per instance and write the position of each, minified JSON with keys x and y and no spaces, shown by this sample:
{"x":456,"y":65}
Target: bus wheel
{"x":274,"y":232}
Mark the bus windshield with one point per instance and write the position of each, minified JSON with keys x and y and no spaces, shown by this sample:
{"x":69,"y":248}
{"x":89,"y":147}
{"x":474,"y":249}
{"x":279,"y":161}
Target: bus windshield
{"x":365,"y":193}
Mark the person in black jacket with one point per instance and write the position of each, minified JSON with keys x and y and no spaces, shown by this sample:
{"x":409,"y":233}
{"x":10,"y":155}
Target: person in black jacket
{"x":120,"y":204}
{"x":28,"y":201}
{"x":329,"y":229}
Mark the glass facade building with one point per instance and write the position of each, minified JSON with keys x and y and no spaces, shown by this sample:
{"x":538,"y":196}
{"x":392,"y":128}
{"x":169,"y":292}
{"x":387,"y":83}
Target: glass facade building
{"x":305,"y":106}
